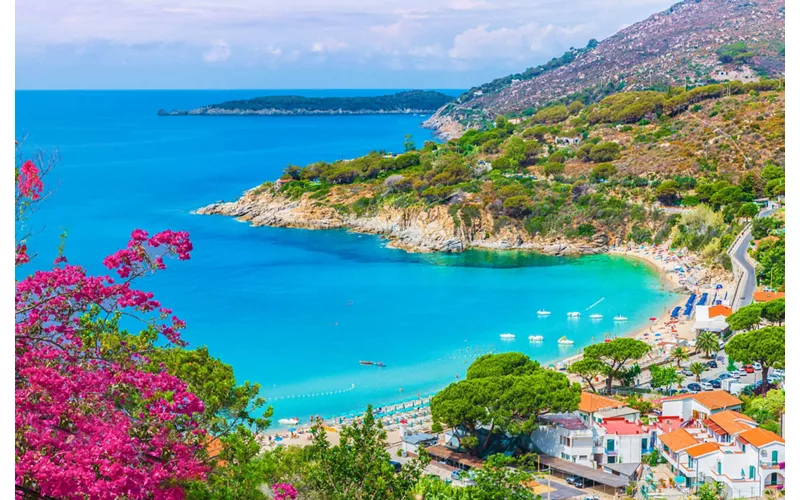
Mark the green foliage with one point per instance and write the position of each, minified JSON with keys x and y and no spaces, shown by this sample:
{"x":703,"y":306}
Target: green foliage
{"x":615,"y":354}
{"x":358,"y":467}
{"x":603,"y":171}
{"x":747,"y":211}
{"x":771,"y":258}
{"x":774,"y":311}
{"x":766,"y":346}
{"x":664,"y":376}
{"x":423,"y":100}
{"x":679,"y":354}
{"x":627,"y":107}
{"x":553,"y":168}
{"x":734,"y":52}
{"x":667,"y":192}
{"x":707,"y":343}
{"x":763,"y":226}
{"x":711,"y":490}
{"x":604,"y":152}
{"x":745,"y":318}
{"x":766,"y":409}
{"x":588,"y":369}
{"x":505,"y":392}
{"x":697,"y":368}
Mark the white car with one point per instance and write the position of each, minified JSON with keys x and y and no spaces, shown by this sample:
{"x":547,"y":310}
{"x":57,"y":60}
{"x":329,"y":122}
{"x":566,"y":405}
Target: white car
{"x":757,"y":366}
{"x":706,"y":386}
{"x":739,"y":373}
{"x":778,"y":372}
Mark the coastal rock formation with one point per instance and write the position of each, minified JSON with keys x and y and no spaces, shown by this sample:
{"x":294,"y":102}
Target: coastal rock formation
{"x":414,"y":229}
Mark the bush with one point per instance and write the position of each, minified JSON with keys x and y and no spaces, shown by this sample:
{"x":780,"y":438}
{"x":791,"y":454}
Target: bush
{"x":586,"y":230}
{"x":604,"y":151}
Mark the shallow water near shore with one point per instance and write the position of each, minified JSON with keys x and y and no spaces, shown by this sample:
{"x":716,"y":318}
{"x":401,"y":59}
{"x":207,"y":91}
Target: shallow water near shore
{"x":296,"y":310}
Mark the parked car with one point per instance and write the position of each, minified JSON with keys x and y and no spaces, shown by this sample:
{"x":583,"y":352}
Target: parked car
{"x":725,"y":376}
{"x":748,"y":369}
{"x":572,"y":479}
{"x":582,"y":483}
{"x":757,"y":366}
{"x":397,"y":465}
{"x":687,"y":372}
{"x":716,"y":384}
{"x":694,"y":387}
{"x":739,"y":373}
{"x":712,"y":364}
{"x":706,"y":386}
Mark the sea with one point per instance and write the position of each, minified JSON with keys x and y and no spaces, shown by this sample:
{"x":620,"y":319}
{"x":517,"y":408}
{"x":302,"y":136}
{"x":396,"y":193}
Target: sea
{"x":295,"y":310}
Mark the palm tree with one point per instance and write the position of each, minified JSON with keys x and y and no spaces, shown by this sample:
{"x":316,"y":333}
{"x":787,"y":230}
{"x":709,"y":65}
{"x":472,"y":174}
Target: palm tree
{"x":708,"y":343}
{"x":680,"y":354}
{"x":697,"y":368}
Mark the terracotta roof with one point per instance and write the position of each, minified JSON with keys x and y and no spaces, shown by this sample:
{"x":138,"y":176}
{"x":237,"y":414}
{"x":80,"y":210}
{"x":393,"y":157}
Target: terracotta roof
{"x":678,"y":440}
{"x":767,"y":296}
{"x":702,"y":449}
{"x":759,"y":437}
{"x":729,"y":422}
{"x":591,"y":403}
{"x":713,"y":400}
{"x":719,"y":310}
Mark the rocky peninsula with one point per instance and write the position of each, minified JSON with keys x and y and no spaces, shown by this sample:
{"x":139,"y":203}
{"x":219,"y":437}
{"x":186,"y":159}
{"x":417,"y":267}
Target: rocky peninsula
{"x":414,"y":228}
{"x":408,"y":102}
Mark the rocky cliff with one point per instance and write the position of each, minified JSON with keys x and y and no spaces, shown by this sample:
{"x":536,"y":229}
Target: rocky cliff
{"x":415,"y":229}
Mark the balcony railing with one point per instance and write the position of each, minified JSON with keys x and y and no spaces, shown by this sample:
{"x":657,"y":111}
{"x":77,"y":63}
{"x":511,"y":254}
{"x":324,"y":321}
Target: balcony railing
{"x":772,"y":465}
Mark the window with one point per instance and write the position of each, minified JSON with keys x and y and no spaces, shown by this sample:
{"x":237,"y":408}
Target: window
{"x":691,"y":463}
{"x":612,"y":460}
{"x":743,"y":449}
{"x":752,"y":474}
{"x":775,"y":457}
{"x":644,"y":444}
{"x":610,"y":445}
{"x":719,"y":467}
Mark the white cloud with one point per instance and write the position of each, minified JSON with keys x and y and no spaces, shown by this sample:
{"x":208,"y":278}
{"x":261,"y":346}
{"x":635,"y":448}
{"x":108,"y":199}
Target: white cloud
{"x":326,"y":46}
{"x":220,"y":51}
{"x":481,"y":42}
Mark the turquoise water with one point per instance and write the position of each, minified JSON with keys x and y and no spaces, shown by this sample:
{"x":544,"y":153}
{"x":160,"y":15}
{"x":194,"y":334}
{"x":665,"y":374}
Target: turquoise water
{"x":290,"y":309}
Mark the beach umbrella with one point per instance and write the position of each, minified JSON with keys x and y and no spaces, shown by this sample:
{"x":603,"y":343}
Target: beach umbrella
{"x":278,"y":438}
{"x":680,"y":480}
{"x":719,"y":287}
{"x":292,"y":429}
{"x":653,"y":319}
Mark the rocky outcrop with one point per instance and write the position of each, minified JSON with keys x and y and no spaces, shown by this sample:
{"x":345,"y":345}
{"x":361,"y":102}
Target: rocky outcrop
{"x":415,"y":229}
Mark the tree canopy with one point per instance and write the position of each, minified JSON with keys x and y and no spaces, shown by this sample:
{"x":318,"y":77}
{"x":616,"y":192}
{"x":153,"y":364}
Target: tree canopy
{"x":615,"y":354}
{"x":766,"y":346}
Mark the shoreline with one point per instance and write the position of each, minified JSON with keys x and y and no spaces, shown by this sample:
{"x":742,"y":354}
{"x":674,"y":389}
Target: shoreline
{"x":658,"y":258}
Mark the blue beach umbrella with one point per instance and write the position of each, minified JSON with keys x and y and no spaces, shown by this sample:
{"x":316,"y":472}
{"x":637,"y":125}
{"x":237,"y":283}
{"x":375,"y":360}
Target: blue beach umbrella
{"x":292,"y":429}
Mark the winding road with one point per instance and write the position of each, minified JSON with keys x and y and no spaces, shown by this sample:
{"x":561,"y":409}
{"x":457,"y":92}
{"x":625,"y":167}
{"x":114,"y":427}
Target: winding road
{"x":738,"y":253}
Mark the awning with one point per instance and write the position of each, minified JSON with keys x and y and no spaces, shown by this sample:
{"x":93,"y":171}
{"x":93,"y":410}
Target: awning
{"x":440,"y":452}
{"x":595,"y":475}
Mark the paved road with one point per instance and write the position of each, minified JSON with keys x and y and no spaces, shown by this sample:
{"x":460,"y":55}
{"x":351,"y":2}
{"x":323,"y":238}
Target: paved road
{"x":747,"y":286}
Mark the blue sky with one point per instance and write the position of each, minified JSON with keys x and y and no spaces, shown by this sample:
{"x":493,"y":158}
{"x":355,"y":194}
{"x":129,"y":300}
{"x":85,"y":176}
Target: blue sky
{"x":162,"y":44}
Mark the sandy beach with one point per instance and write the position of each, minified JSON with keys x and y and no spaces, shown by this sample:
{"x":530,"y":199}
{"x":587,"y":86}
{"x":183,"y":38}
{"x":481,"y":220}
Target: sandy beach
{"x":681,"y":271}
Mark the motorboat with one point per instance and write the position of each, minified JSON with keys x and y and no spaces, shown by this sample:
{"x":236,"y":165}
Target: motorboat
{"x":289,"y":421}
{"x":573,"y":314}
{"x":596,"y":316}
{"x":367,"y":362}
{"x":535,"y":338}
{"x":620,"y":318}
{"x":542,"y":312}
{"x":381,"y":364}
{"x":507,"y":336}
{"x":565,"y":341}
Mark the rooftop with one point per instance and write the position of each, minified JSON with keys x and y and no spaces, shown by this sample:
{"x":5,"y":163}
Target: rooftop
{"x":624,"y":469}
{"x":583,"y":471}
{"x":719,"y":310}
{"x":678,"y":440}
{"x":767,"y":296}
{"x":759,"y":437}
{"x":729,"y":422}
{"x":419,"y":438}
{"x":440,"y":452}
{"x":668,"y":424}
{"x":713,"y":400}
{"x":617,"y":412}
{"x":568,"y":421}
{"x":702,"y":449}
{"x":620,"y":426}
{"x":591,"y":403}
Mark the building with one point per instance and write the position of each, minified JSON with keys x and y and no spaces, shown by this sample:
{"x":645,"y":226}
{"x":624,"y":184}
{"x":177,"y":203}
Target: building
{"x":699,"y":406}
{"x":767,"y":296}
{"x":568,"y":141}
{"x":593,"y":406}
{"x":625,"y":441}
{"x":711,"y":318}
{"x":412,"y":442}
{"x":726,"y":448}
{"x":568,"y":437}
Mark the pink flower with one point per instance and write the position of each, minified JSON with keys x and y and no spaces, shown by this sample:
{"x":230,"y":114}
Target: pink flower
{"x":28,"y":182}
{"x":283,"y":491}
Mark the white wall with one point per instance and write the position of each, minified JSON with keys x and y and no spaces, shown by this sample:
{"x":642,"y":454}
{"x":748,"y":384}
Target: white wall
{"x":548,"y":440}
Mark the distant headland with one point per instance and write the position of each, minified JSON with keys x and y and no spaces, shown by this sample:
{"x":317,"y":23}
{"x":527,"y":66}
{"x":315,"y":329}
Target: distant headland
{"x":407,"y":102}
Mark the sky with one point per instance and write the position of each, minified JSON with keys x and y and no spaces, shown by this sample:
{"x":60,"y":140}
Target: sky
{"x":196,"y":44}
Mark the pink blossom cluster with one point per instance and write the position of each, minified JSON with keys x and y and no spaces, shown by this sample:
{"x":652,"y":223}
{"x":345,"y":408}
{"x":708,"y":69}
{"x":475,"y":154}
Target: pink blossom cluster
{"x":284,"y":491}
{"x":29,"y":184}
{"x":91,"y":420}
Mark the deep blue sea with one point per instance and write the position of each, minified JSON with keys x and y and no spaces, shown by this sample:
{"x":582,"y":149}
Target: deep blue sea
{"x":296,"y":310}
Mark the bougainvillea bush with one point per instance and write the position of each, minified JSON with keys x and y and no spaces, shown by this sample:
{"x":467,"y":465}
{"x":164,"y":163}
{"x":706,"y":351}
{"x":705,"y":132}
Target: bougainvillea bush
{"x":90,"y":421}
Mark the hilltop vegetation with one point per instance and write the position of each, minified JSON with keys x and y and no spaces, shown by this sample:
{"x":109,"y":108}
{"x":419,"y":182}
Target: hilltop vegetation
{"x":694,"y":42}
{"x":631,"y":158}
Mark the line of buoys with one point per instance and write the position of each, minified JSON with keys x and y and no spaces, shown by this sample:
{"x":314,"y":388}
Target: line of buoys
{"x":314,"y":395}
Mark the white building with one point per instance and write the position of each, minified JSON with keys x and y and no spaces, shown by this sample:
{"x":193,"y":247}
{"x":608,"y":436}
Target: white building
{"x":568,"y":437}
{"x":750,"y":462}
{"x":625,"y":441}
{"x":699,"y":406}
{"x":711,"y":318}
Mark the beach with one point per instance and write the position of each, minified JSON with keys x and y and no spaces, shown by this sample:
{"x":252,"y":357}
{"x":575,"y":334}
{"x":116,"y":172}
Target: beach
{"x":680,"y":271}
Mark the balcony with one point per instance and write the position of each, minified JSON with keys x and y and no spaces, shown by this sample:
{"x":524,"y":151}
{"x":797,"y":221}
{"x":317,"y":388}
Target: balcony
{"x":766,"y":464}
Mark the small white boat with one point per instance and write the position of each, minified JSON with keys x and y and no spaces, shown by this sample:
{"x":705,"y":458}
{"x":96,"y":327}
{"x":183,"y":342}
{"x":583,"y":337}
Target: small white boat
{"x":289,"y":421}
{"x":596,"y":316}
{"x":565,"y":341}
{"x":535,"y":338}
{"x":620,"y":318}
{"x":542,"y":312}
{"x":507,"y":336}
{"x":573,"y":314}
